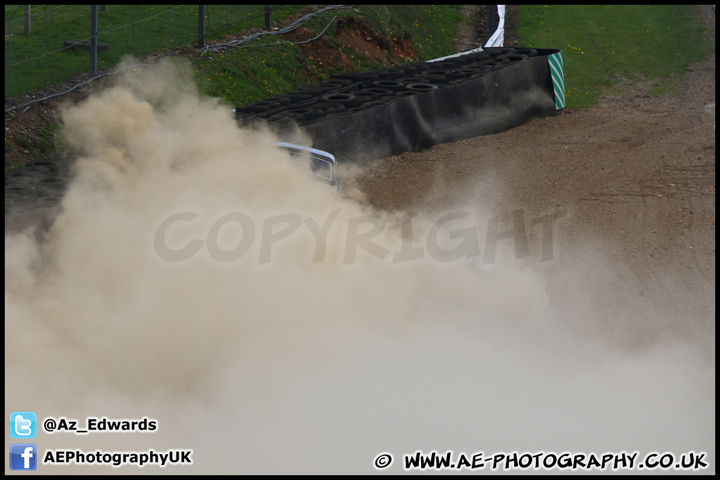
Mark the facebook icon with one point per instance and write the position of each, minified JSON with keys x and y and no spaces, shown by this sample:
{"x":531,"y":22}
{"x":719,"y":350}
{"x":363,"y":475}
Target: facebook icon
{"x":23,"y":456}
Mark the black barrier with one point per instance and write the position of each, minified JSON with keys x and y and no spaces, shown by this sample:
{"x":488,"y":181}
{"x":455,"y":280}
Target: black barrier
{"x":33,"y":194}
{"x":367,"y":115}
{"x":489,"y":103}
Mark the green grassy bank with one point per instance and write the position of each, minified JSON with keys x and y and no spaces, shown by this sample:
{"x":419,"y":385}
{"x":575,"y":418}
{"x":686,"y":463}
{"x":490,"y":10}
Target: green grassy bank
{"x":604,"y":43}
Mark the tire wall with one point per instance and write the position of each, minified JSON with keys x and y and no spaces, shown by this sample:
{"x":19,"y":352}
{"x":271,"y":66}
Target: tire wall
{"x":33,"y":194}
{"x":492,"y":103}
{"x":399,"y":120}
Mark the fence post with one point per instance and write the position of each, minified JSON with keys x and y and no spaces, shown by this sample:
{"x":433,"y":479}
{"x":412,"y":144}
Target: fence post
{"x":93,"y":40}
{"x":9,"y":61}
{"x":26,"y":14}
{"x":201,"y":26}
{"x":267,"y":18}
{"x":47,"y":53}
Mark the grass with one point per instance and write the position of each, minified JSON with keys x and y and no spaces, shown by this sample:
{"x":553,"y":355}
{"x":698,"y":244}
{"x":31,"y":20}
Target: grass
{"x":244,"y":75}
{"x":40,"y":58}
{"x":24,"y":143}
{"x":10,"y":164}
{"x":41,"y":149}
{"x":432,"y":27}
{"x":47,"y":134}
{"x":238,"y":76}
{"x":604,"y":43}
{"x":600,"y":45}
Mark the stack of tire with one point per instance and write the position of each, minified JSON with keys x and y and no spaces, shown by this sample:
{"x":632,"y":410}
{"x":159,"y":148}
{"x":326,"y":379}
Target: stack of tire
{"x":347,"y":93}
{"x":33,"y":192}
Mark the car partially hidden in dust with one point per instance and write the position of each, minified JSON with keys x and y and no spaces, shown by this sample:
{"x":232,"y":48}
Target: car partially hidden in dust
{"x":322,"y":163}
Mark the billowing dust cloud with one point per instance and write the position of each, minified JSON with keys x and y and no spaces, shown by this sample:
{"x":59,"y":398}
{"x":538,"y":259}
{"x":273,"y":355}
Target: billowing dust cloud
{"x":296,"y":357}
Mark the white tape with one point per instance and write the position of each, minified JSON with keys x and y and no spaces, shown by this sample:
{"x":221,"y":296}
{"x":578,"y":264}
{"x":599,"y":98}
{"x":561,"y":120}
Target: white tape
{"x":498,"y":38}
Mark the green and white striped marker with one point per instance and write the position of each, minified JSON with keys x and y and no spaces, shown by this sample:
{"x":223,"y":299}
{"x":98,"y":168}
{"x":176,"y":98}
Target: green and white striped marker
{"x":556,"y":72}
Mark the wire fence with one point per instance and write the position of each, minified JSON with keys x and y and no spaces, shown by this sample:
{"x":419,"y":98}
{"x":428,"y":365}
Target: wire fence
{"x":49,"y":45}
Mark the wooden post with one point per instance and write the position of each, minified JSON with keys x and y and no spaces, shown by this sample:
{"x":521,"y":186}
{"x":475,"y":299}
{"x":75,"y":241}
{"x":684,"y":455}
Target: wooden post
{"x":93,"y":40}
{"x":26,"y":18}
{"x":201,"y":26}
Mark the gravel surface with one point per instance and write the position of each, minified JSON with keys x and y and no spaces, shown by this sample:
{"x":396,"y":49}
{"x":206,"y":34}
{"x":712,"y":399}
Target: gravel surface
{"x":631,"y":182}
{"x":628,"y":186}
{"x":587,"y":325}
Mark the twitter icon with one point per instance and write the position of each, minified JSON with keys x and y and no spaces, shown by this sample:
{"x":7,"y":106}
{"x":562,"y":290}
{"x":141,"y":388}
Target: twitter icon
{"x":23,"y":425}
